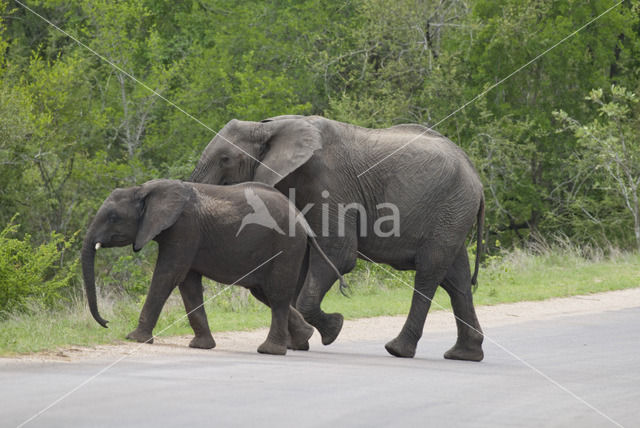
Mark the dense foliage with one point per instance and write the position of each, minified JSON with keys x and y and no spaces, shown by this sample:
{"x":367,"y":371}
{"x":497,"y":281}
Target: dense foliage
{"x":73,"y":125}
{"x":32,"y":272}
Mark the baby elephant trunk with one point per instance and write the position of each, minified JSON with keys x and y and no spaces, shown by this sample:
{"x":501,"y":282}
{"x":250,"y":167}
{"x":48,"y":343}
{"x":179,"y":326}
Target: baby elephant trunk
{"x":88,"y":259}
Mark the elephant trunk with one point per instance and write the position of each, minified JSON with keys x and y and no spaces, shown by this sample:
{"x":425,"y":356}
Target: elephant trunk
{"x":197,"y":174}
{"x":204,"y":173}
{"x":88,"y":259}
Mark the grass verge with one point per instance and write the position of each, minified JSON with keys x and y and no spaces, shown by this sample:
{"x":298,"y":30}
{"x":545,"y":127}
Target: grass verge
{"x":375,"y":291}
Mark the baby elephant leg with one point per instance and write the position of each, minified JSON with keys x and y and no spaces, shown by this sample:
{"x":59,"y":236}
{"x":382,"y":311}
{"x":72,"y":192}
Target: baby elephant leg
{"x":299,"y":330}
{"x":191,"y":291}
{"x":276,"y":343}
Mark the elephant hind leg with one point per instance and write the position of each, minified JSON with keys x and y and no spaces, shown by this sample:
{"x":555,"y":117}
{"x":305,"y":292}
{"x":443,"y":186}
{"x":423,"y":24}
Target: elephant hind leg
{"x":299,"y":330}
{"x":457,"y":283}
{"x":276,"y":342}
{"x":430,"y":271}
{"x":191,"y":291}
{"x":405,"y":344}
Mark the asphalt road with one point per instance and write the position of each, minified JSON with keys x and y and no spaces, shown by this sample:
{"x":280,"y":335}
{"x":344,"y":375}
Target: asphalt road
{"x":596,"y":357}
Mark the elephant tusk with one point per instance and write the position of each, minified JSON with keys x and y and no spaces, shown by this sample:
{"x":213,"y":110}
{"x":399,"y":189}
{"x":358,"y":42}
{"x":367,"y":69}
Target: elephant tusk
{"x":98,"y":245}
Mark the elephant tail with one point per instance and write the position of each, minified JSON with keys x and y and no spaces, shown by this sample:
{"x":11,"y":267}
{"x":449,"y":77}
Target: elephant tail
{"x":343,"y":285}
{"x":474,"y":278}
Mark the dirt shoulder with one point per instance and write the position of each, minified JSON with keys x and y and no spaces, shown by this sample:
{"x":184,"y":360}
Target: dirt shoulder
{"x":365,"y":329}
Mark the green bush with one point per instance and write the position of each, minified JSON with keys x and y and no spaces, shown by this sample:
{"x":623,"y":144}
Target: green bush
{"x":32,"y":272}
{"x":129,"y":273}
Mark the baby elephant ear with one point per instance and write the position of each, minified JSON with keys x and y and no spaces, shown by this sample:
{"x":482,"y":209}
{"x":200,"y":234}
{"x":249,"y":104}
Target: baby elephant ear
{"x":287,"y":144}
{"x":162,"y":203}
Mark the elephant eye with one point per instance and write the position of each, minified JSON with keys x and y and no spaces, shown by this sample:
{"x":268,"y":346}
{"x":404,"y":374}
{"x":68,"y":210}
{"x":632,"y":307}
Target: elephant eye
{"x":224,"y":159}
{"x":112,"y":217}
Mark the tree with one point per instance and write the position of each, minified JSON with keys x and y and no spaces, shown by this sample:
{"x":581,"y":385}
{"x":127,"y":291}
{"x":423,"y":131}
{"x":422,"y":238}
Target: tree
{"x":392,"y":62}
{"x":610,"y":148}
{"x":516,"y":118}
{"x":72,"y":127}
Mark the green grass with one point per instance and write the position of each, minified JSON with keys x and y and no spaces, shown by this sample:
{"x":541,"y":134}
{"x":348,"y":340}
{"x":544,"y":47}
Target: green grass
{"x":375,"y":291}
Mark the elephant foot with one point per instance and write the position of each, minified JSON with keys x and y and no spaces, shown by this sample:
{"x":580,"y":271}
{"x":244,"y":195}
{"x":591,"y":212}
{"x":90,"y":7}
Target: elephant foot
{"x":330,"y":327}
{"x":203,"y":342}
{"x":401,"y":348}
{"x":272,"y":348}
{"x":459,"y":352}
{"x":298,"y":347}
{"x":298,"y":338}
{"x":140,"y":337}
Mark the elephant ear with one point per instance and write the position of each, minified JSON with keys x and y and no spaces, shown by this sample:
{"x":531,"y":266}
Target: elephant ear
{"x":286,"y":144}
{"x":162,"y":203}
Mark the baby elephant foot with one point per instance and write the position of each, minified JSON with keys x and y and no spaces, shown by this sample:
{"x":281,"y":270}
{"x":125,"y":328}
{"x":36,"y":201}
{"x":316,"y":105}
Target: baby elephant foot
{"x":298,"y":347}
{"x":330,"y":328}
{"x":269,"y":347}
{"x":401,"y":348}
{"x":203,"y":342}
{"x":140,"y":336}
{"x":299,"y":336}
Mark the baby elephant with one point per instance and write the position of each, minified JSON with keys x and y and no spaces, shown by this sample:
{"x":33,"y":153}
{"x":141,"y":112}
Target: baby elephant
{"x":246,"y":234}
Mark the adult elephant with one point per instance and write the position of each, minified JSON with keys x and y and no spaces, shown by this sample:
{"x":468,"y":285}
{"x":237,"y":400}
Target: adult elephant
{"x":431,"y":182}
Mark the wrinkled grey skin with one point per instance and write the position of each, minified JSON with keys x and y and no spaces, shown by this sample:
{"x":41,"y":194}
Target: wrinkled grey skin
{"x":195,"y":226}
{"x":432,"y":182}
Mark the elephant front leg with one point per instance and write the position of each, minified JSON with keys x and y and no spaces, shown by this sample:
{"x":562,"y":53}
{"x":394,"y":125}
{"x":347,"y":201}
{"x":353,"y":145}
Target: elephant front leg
{"x":156,"y":298}
{"x":319,"y":280}
{"x":191,"y":291}
{"x":163,"y":282}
